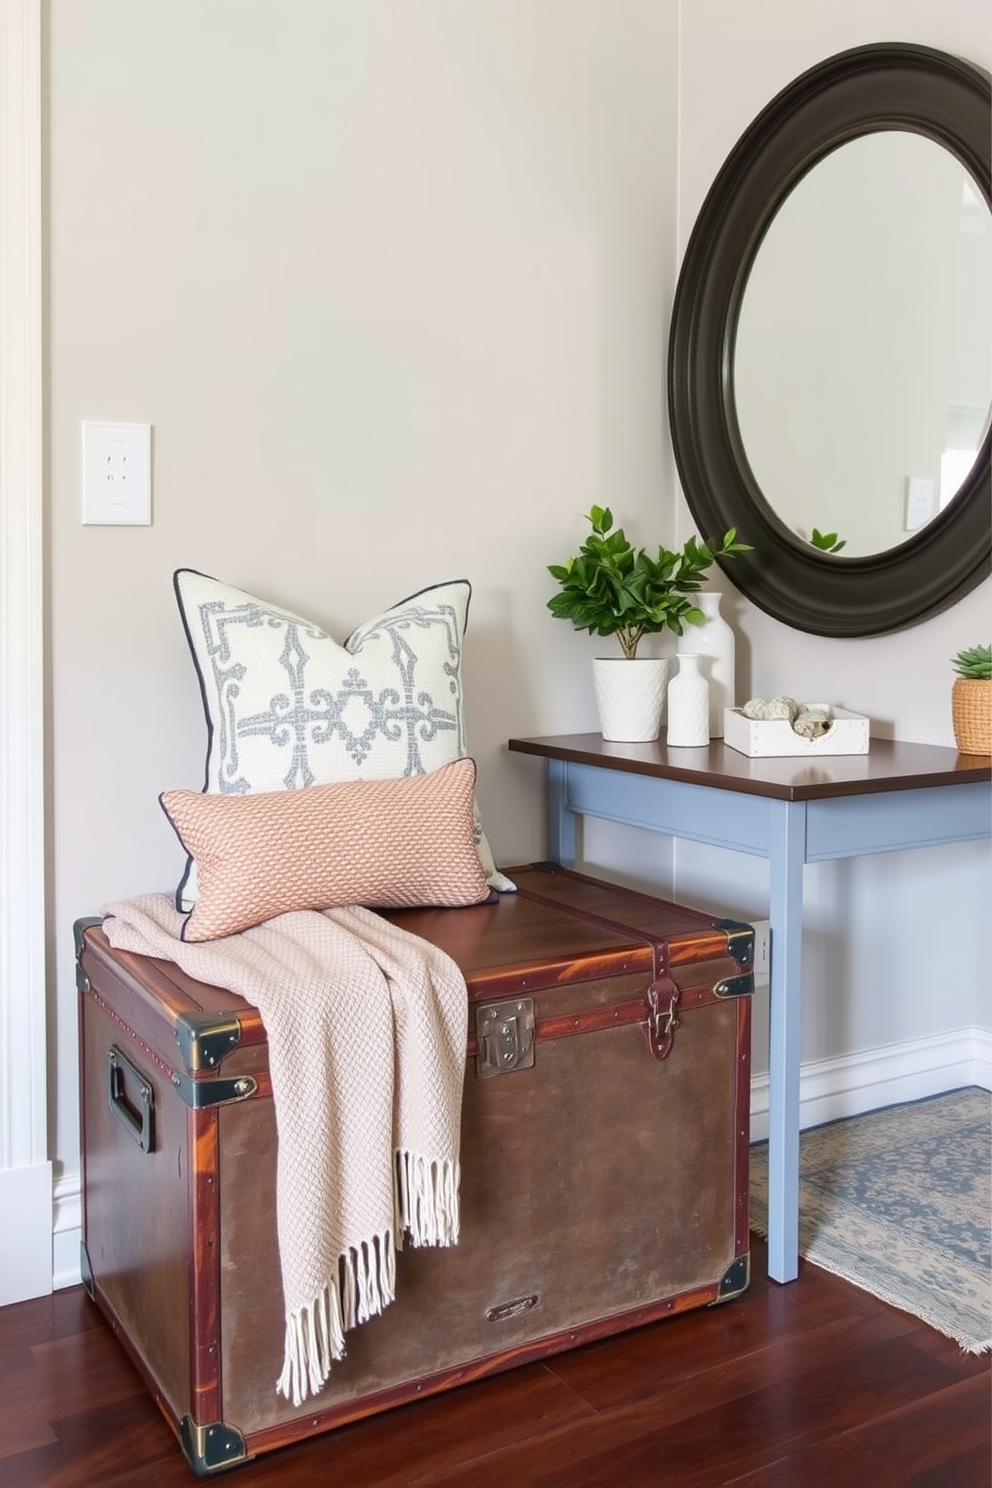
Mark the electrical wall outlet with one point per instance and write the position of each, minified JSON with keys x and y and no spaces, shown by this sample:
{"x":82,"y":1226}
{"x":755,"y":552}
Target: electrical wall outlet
{"x":117,"y":474}
{"x":762,"y":952}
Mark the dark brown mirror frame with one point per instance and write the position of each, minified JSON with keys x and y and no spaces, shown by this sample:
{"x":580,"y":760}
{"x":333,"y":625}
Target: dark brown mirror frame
{"x":880,"y":86}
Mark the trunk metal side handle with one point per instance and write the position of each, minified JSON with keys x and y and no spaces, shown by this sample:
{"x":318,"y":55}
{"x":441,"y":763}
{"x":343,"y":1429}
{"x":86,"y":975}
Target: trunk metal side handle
{"x":138,"y":1120}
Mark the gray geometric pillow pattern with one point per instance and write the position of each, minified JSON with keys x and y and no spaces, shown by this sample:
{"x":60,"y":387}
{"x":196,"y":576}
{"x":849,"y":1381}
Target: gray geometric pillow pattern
{"x":287,"y":706}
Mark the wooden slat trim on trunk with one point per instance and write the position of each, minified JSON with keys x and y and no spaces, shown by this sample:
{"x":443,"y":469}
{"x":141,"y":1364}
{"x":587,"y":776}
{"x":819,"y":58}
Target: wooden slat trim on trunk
{"x":616,"y":1015}
{"x":704,"y":946}
{"x":650,"y":954}
{"x":742,"y":1130}
{"x":175,"y":991}
{"x":203,"y":1146}
{"x":485,"y":986}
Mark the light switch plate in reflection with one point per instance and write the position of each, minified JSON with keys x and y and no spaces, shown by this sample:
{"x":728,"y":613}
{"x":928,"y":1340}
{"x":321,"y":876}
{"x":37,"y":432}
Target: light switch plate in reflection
{"x":921,"y":495}
{"x":117,"y":474}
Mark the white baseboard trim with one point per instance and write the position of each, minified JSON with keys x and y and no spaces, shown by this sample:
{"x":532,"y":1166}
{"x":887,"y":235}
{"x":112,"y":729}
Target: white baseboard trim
{"x":827,"y":1090}
{"x":67,"y":1231}
{"x":25,"y":1241}
{"x":833,"y":1088}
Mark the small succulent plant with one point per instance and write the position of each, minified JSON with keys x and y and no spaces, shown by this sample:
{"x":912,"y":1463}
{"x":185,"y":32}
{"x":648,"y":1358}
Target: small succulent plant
{"x":974,"y":662}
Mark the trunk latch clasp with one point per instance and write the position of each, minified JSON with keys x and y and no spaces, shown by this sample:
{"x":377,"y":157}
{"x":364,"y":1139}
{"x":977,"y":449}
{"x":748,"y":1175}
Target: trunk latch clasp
{"x":505,"y":1036}
{"x":662,"y":998}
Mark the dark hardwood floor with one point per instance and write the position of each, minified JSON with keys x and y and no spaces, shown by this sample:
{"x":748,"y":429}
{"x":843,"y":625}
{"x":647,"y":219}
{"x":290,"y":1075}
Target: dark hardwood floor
{"x":807,"y":1385}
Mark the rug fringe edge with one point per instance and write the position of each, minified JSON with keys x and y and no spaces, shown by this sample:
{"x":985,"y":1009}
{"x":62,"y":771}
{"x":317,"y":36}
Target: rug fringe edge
{"x":967,"y":1345}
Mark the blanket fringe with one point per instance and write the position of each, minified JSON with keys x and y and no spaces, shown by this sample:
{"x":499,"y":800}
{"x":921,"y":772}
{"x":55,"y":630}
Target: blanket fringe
{"x":426,"y":1199}
{"x":425,"y":1194}
{"x":315,"y":1334}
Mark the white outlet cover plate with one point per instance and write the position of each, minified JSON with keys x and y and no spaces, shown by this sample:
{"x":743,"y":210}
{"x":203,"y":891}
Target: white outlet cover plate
{"x":117,"y":474}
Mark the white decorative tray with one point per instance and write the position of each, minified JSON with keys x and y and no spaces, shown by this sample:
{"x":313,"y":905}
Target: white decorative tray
{"x":762,"y":738}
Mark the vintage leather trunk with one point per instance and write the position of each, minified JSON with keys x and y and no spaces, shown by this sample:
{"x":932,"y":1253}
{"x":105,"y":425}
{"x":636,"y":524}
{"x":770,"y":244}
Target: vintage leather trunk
{"x":604,"y":1160}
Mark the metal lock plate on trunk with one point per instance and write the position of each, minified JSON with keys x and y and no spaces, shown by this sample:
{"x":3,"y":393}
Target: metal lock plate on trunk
{"x":505,"y":1036}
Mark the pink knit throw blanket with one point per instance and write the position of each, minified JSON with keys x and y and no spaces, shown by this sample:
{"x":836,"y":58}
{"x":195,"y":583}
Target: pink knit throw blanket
{"x":367,"y":1033}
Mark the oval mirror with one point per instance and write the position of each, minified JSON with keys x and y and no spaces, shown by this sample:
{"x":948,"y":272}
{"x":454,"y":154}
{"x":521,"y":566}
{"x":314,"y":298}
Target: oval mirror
{"x":830,"y":361}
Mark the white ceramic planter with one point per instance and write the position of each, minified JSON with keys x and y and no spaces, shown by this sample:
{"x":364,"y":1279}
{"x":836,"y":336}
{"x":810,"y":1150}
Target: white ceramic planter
{"x":630,"y":696}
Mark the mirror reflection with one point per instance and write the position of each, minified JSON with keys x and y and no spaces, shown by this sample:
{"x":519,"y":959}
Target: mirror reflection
{"x":862,"y":366}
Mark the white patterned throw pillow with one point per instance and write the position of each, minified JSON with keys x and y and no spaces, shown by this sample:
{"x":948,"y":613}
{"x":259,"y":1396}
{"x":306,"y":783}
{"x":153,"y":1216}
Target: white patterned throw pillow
{"x":289,"y":707}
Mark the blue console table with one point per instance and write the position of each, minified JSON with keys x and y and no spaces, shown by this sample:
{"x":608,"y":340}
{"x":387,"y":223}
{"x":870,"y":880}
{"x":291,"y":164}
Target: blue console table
{"x":791,"y":811}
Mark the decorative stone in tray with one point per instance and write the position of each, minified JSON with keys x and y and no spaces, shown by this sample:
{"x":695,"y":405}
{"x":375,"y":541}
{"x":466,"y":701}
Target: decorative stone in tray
{"x":781,"y":726}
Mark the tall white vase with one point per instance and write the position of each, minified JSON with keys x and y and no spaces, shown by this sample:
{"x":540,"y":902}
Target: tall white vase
{"x":688,"y":706}
{"x":715,"y":644}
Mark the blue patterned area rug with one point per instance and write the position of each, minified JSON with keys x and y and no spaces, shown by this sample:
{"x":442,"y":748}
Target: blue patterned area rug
{"x":899,"y":1202}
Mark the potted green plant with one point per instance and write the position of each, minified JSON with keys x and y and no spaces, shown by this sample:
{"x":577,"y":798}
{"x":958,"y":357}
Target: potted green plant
{"x":971,"y":700}
{"x":611,"y":588}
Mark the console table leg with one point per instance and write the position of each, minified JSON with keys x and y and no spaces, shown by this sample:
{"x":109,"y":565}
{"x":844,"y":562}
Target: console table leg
{"x":786,"y":858}
{"x":561,"y":821}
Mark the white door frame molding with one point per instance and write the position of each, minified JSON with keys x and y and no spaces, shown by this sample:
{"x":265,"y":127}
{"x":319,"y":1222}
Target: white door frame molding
{"x":25,"y":1168}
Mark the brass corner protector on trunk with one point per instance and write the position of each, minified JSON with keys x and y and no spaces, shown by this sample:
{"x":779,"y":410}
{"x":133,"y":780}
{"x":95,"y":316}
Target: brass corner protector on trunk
{"x":79,"y":930}
{"x":740,"y":940}
{"x":736,"y":1279}
{"x":211,"y":1449}
{"x":204,"y":1040}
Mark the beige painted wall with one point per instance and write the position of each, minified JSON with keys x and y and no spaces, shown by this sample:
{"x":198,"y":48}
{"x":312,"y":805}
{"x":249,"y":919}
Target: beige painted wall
{"x":391,"y":281}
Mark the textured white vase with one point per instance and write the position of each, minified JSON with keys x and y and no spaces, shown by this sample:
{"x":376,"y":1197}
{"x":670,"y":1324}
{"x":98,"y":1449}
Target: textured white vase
{"x":688,"y":705}
{"x":630,"y":696}
{"x":715,"y":644}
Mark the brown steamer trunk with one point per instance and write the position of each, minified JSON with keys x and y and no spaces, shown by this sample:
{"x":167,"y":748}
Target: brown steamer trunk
{"x":604,"y":1160}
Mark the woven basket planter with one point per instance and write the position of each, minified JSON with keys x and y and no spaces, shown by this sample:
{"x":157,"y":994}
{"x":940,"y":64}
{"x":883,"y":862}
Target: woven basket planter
{"x":971,"y":714}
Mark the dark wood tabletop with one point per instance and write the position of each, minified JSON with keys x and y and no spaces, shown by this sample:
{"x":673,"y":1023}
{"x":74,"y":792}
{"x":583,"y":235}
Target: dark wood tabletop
{"x":889,"y":765}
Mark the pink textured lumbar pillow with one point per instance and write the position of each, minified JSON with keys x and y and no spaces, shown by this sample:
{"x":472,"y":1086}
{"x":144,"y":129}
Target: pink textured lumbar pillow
{"x":386,"y":844}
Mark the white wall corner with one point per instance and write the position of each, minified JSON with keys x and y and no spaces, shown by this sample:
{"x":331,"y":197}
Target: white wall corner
{"x":835,"y":1088}
{"x":25,"y":1172}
